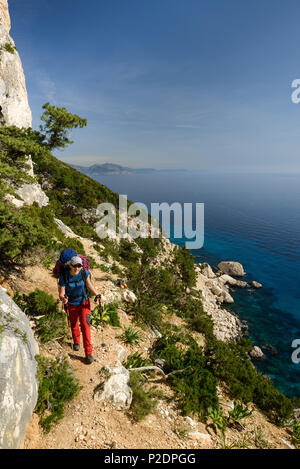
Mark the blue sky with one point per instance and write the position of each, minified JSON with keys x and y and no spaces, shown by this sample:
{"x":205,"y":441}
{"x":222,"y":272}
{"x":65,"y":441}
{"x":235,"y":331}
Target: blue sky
{"x":199,"y":84}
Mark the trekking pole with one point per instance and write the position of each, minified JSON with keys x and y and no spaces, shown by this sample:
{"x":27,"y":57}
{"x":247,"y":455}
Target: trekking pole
{"x":68,"y":317}
{"x":98,"y":297}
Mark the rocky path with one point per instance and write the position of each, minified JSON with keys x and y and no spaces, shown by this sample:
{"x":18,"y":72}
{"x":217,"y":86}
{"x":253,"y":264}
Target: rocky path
{"x":89,"y":424}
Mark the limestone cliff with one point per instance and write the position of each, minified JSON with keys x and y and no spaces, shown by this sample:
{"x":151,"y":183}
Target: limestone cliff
{"x":14,"y":105}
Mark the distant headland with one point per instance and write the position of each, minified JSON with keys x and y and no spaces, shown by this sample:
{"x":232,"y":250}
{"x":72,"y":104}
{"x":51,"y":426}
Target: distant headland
{"x":110,"y":169}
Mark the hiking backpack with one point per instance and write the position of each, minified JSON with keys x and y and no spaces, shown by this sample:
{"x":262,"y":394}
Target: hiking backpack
{"x":64,"y":259}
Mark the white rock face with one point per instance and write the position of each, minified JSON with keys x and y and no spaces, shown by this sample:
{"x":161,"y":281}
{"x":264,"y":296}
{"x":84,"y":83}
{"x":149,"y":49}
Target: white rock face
{"x":14,"y":106}
{"x":66,"y":230}
{"x":13,"y":200}
{"x":31,"y":193}
{"x":226,"y":326}
{"x":13,"y":95}
{"x":205,"y":269}
{"x":18,"y":373}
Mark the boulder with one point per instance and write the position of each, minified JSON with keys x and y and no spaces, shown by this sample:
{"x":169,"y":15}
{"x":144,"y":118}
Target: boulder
{"x":116,"y":389}
{"x":129,"y":296}
{"x":227,"y":279}
{"x":255,"y":284}
{"x":18,"y":373}
{"x":256,"y":353}
{"x":296,"y":414}
{"x":220,"y":291}
{"x":231,"y":268}
{"x":31,"y":193}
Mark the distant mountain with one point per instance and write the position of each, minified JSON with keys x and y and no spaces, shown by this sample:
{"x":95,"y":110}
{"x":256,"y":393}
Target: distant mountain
{"x":110,"y":168}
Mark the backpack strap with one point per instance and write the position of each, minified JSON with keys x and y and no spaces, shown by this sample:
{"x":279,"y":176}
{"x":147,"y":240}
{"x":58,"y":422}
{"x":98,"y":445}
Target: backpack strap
{"x":65,"y":275}
{"x":84,"y":277}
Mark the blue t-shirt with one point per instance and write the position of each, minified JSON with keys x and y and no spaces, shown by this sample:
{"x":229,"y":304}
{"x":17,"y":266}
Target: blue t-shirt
{"x":74,"y":287}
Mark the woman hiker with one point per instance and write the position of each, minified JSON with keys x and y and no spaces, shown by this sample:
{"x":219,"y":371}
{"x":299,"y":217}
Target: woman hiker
{"x":72,"y":287}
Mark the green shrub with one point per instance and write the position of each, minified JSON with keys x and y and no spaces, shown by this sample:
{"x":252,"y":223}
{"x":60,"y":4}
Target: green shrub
{"x":144,"y":401}
{"x":36,"y":303}
{"x":57,"y":385}
{"x":154,"y":287}
{"x":10,"y":48}
{"x":21,"y":231}
{"x":229,"y":363}
{"x":127,"y":252}
{"x":115,"y":269}
{"x":150,"y":248}
{"x":194,"y":384}
{"x":52,"y":325}
{"x":184,"y":260}
{"x":197,"y":319}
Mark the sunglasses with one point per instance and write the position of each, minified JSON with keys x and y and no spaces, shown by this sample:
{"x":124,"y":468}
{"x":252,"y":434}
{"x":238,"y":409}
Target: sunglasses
{"x":77,"y":266}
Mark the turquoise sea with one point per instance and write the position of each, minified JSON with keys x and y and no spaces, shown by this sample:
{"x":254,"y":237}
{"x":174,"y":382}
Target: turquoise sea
{"x":253,"y":219}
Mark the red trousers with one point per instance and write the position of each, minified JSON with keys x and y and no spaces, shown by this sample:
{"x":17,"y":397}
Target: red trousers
{"x":81,"y":313}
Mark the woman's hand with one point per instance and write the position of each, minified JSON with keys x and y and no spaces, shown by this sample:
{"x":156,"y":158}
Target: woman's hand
{"x":100,"y":299}
{"x":64,"y":299}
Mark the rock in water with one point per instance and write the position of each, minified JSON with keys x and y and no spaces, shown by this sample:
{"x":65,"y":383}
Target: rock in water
{"x":255,"y":284}
{"x":256,"y":353}
{"x":232,"y":268}
{"x":18,"y":373}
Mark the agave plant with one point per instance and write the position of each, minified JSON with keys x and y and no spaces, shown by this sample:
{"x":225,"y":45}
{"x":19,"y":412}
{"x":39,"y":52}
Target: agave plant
{"x":131,"y":336}
{"x":239,"y":413}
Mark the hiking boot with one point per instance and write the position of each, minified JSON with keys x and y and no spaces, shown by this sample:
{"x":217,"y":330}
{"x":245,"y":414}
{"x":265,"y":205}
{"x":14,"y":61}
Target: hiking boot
{"x":76,"y":347}
{"x":89,"y":359}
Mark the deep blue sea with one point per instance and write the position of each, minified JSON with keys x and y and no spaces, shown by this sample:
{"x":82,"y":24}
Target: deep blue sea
{"x":253,"y":219}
